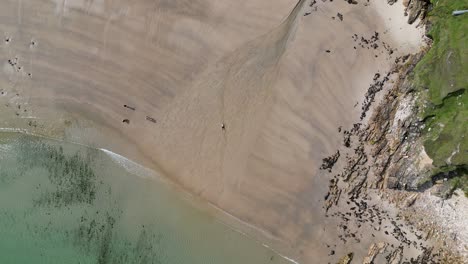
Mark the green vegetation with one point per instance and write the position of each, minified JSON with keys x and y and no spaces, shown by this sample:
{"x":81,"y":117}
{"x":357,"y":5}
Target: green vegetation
{"x":446,"y":142}
{"x":444,"y":68}
{"x":460,"y":183}
{"x":442,"y":76}
{"x":444,"y":73}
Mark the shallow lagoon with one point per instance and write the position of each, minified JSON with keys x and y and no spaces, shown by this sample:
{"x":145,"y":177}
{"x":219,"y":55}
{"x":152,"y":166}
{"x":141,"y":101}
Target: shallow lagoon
{"x":65,"y":203}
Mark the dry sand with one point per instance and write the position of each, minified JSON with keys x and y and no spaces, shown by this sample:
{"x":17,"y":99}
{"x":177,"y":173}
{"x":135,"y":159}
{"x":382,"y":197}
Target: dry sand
{"x":259,"y":67}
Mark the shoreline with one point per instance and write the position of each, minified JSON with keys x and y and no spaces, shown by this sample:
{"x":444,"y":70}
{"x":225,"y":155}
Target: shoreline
{"x":391,"y":162}
{"x":221,"y":216}
{"x":220,"y":182}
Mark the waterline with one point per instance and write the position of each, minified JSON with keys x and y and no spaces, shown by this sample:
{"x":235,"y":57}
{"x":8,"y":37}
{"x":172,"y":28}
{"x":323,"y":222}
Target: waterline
{"x":144,"y":172}
{"x":46,"y":186}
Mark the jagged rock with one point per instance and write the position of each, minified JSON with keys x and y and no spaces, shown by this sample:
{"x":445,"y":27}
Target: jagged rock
{"x":340,"y":16}
{"x":391,"y":133}
{"x":425,"y":257}
{"x":351,"y":2}
{"x":356,"y":186}
{"x":374,"y":250}
{"x":396,"y":256}
{"x":346,"y":259}
{"x":411,"y":200}
{"x":415,"y":9}
{"x":391,"y":183}
{"x":379,"y":147}
{"x":329,"y":162}
{"x":333,"y":195}
{"x":347,"y":139}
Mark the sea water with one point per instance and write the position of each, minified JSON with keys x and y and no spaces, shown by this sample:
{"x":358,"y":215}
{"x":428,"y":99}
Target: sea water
{"x":65,"y":203}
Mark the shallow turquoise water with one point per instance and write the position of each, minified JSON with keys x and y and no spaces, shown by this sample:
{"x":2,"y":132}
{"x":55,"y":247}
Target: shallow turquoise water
{"x":64,"y":203}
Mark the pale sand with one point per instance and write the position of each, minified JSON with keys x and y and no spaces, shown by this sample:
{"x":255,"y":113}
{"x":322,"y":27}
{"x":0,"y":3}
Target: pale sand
{"x":193,"y":65}
{"x":449,"y":216}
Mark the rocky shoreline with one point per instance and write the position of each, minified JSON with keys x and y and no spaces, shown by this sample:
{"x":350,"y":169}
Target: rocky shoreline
{"x":385,"y":161}
{"x":379,"y":164}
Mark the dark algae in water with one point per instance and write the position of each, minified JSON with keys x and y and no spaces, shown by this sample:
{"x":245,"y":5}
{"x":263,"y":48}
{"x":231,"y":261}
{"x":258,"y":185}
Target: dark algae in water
{"x":64,"y":203}
{"x":72,"y":182}
{"x":72,"y":177}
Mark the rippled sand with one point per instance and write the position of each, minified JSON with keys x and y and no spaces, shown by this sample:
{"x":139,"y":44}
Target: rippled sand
{"x":258,"y":67}
{"x":64,"y":203}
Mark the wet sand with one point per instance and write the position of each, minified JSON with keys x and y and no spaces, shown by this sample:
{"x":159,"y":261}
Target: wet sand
{"x":64,"y":203}
{"x":280,"y":82}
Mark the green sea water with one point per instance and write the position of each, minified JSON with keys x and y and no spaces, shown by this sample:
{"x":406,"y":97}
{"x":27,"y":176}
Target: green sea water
{"x":65,"y":203}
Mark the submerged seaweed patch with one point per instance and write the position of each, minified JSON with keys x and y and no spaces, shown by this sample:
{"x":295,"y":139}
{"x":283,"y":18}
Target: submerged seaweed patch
{"x":72,"y":181}
{"x":71,"y":176}
{"x":64,"y":203}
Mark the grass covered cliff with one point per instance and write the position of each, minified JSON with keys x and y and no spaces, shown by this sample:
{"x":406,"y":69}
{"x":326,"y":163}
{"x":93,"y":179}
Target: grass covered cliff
{"x":442,"y":78}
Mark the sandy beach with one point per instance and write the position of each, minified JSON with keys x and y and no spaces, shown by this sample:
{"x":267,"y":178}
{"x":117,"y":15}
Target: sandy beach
{"x":236,"y":102}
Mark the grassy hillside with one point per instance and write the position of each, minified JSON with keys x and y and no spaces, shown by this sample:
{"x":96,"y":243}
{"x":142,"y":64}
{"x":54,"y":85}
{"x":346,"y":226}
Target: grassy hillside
{"x":444,"y":68}
{"x":442,"y":75}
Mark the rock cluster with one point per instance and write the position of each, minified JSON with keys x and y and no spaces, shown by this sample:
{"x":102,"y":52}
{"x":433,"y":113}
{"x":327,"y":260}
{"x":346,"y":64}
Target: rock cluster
{"x":415,"y":9}
{"x":379,"y":141}
{"x":329,"y":162}
{"x":382,"y":156}
{"x":380,"y":159}
{"x":393,"y":133}
{"x":346,"y":259}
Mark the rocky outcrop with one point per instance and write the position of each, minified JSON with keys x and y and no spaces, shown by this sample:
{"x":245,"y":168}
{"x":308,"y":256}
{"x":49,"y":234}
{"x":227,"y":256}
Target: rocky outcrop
{"x":387,"y":155}
{"x":374,"y":250}
{"x":396,"y":256}
{"x":416,"y":9}
{"x":329,"y":162}
{"x":393,"y":134}
{"x":346,"y":259}
{"x":386,"y":158}
{"x":386,"y":152}
{"x":380,"y":151}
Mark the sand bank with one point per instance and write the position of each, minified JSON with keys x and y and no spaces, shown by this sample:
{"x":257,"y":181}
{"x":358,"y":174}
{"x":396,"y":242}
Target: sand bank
{"x":280,"y":81}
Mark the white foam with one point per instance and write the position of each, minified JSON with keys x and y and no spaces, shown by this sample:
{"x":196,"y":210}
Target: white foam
{"x":5,"y":148}
{"x":9,"y":129}
{"x":129,"y":165}
{"x":141,"y":171}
